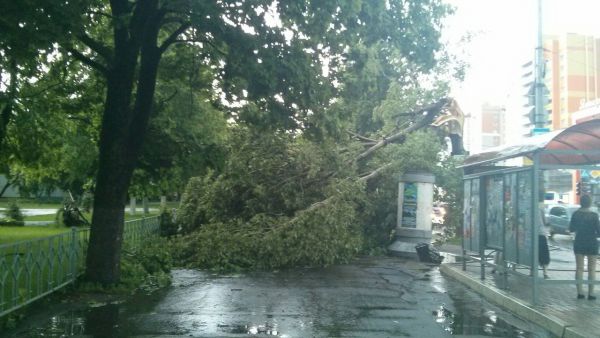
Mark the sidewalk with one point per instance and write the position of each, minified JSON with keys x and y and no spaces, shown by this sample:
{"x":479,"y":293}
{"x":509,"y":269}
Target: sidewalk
{"x":558,"y":310}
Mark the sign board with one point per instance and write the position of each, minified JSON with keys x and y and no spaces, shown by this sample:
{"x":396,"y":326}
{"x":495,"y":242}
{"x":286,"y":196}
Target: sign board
{"x":471,"y":231}
{"x":524,"y":218}
{"x":510,"y":218}
{"x":409,"y":205}
{"x":494,"y":211}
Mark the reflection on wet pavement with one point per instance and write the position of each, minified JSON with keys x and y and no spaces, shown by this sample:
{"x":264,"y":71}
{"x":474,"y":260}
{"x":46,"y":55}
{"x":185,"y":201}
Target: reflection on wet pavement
{"x":374,"y":297}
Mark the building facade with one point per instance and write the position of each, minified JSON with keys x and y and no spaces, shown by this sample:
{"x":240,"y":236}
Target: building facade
{"x":572,"y":75}
{"x":493,"y":130}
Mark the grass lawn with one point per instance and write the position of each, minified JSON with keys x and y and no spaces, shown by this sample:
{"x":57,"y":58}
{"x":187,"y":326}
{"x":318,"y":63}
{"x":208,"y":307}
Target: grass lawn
{"x":10,"y":234}
{"x":33,"y":268}
{"x":16,"y":234}
{"x":455,"y":240}
{"x":88,"y":216}
{"x":30,"y":204}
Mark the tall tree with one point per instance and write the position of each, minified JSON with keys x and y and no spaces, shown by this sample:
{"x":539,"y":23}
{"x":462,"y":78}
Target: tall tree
{"x":276,"y":64}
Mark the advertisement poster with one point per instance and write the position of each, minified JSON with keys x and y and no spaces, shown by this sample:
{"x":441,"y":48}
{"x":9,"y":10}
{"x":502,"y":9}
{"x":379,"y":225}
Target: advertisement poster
{"x":494,"y":215}
{"x":510,"y":221}
{"x":524,"y":237}
{"x":409,"y":205}
{"x":475,"y":214}
{"x":467,"y":215}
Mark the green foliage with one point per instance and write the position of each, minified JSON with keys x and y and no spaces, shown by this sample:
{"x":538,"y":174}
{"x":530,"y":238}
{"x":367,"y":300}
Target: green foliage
{"x":420,"y":151}
{"x":319,"y":236}
{"x":450,"y":193}
{"x":273,"y":174}
{"x":290,"y":77}
{"x":168,"y":225}
{"x":144,"y":268}
{"x":13,"y":213}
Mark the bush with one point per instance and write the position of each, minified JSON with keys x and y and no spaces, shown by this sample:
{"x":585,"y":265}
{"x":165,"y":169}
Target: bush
{"x":324,"y":235}
{"x":13,"y":213}
{"x":267,"y":174}
{"x":10,"y":223}
{"x":168,"y":224}
{"x":146,"y":267}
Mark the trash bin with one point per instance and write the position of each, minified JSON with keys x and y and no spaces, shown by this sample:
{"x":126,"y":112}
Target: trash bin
{"x":428,"y":254}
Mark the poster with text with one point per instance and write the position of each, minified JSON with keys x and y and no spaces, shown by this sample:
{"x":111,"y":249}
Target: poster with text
{"x":475,"y":215}
{"x":467,"y":215}
{"x":524,"y":226}
{"x":510,"y":218}
{"x":494,"y":212}
{"x":409,"y":205}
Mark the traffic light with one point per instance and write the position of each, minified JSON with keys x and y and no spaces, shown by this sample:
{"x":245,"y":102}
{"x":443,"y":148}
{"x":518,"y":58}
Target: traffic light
{"x":578,"y":188}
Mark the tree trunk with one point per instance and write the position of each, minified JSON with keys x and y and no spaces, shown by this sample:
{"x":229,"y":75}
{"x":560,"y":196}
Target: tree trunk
{"x":123,"y":128}
{"x":115,"y":168}
{"x":163,"y":202}
{"x":132,"y":205}
{"x":6,"y":185}
{"x":146,"y":206}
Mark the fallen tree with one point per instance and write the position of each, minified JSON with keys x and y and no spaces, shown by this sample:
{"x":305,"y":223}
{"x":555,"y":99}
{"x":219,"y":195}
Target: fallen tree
{"x":277,"y":204}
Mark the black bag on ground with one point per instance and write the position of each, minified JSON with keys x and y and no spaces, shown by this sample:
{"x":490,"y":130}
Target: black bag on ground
{"x":428,"y":254}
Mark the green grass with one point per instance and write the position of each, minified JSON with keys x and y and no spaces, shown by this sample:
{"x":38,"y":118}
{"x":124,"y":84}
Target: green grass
{"x":454,"y":240}
{"x":10,"y":234}
{"x":30,"y":203}
{"x":36,"y":266}
{"x":88,"y":216}
{"x":16,"y":234}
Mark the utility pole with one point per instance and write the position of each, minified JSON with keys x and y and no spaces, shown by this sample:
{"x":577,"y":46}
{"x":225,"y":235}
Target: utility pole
{"x":540,"y":118}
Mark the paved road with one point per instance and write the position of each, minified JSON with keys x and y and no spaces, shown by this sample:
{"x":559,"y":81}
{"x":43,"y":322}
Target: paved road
{"x":373,"y":297}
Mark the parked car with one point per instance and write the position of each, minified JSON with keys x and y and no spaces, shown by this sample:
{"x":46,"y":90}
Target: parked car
{"x":559,"y":217}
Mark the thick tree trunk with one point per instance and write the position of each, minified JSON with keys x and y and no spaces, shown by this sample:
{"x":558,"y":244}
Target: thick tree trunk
{"x":106,"y":235}
{"x":123,"y":128}
{"x":4,"y":188}
{"x":115,"y":168}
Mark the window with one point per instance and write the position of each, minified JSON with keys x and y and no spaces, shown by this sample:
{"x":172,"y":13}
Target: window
{"x":558,"y":211}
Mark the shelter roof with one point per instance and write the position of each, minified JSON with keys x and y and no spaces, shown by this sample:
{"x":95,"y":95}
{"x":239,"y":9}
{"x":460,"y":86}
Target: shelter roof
{"x":570,"y":143}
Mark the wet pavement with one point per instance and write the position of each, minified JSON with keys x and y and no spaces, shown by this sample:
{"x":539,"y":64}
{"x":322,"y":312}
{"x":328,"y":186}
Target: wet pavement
{"x":557,"y":308}
{"x":373,"y":297}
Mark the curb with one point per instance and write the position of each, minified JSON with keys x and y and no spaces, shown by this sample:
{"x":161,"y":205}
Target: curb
{"x":502,"y":299}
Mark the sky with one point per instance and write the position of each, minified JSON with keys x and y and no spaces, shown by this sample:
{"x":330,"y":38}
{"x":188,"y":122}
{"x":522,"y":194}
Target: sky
{"x":503,"y":39}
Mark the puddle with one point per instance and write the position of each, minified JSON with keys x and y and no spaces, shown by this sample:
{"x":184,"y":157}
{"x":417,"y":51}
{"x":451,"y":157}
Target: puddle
{"x":249,"y":329}
{"x":484,"y":323}
{"x":194,"y":308}
{"x":101,"y":321}
{"x":470,"y":315}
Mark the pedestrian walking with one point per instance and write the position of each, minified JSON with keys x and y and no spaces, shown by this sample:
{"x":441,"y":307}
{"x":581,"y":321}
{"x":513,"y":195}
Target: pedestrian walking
{"x":543,"y":251}
{"x":586,"y":226}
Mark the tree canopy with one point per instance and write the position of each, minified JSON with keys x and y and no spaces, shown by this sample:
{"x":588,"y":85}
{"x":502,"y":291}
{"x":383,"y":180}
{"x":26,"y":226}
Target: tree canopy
{"x":167,"y":86}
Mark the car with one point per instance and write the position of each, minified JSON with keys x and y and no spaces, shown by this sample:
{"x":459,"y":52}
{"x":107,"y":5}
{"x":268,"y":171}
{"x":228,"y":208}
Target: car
{"x":559,"y":217}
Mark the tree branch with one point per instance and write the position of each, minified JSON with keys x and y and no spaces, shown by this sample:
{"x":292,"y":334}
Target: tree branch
{"x":374,"y":173}
{"x":88,"y":61}
{"x":40,"y":92}
{"x":360,"y":137}
{"x":173,"y":37}
{"x":101,"y":14}
{"x":96,"y":46}
{"x":430,"y":112}
{"x":217,"y":49}
{"x":161,"y":104}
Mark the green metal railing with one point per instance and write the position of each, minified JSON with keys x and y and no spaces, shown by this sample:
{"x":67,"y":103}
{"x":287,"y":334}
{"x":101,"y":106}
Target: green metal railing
{"x":30,"y":270}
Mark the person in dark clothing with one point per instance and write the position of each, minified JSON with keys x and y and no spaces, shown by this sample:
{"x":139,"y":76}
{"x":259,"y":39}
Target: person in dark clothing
{"x":543,"y":251}
{"x":586,"y":226}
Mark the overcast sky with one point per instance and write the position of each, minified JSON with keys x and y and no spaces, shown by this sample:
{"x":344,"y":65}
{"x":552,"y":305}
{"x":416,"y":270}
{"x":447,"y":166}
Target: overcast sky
{"x":504,"y":38}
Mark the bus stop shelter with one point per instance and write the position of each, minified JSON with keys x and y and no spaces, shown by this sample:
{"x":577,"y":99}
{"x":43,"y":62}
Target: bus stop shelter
{"x":501,"y":203}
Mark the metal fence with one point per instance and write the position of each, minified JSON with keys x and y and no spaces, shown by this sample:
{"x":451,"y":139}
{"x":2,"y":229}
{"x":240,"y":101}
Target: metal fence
{"x":30,"y":270}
